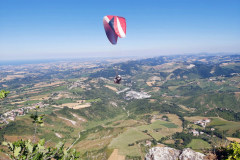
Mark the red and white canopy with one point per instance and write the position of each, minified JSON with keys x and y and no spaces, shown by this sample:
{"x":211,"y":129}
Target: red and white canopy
{"x":115,"y":27}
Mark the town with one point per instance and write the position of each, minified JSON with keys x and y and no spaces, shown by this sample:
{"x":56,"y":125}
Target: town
{"x":11,"y":115}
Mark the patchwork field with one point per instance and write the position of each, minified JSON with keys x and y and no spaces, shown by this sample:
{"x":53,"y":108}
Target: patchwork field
{"x":198,"y":144}
{"x":225,"y":125}
{"x":194,"y":118}
{"x":155,"y":125}
{"x":156,"y":135}
{"x":116,"y":156}
{"x":159,"y":129}
{"x":130,"y":136}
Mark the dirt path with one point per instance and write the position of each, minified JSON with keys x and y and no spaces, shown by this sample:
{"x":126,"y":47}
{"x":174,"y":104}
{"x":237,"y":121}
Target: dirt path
{"x":73,"y":122}
{"x":75,"y":141}
{"x":116,"y":156}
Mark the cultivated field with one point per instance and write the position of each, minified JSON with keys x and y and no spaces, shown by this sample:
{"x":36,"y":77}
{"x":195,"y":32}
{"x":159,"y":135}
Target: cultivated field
{"x":194,"y":118}
{"x":10,"y":77}
{"x":159,"y":129}
{"x":234,"y":139}
{"x":198,"y":144}
{"x":43,"y":84}
{"x":170,"y":141}
{"x":116,"y":156}
{"x":73,"y":105}
{"x":156,"y":135}
{"x":130,"y":136}
{"x":173,"y":118}
{"x":112,"y":88}
{"x":225,"y":125}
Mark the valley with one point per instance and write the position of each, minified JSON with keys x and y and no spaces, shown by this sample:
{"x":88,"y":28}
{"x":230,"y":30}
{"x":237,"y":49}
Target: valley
{"x":157,"y":103}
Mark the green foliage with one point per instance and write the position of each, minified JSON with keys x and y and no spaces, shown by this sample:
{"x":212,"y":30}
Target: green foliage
{"x":221,"y":100}
{"x":24,"y":150}
{"x":37,"y":119}
{"x":3,"y":94}
{"x":66,"y":112}
{"x":16,"y":128}
{"x":234,"y":151}
{"x":236,"y":134}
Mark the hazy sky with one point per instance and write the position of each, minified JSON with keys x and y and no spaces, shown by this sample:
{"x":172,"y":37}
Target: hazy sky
{"x":48,"y":29}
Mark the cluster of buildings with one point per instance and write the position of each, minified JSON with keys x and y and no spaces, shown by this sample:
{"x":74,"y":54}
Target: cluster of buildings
{"x":118,"y":92}
{"x":13,"y":113}
{"x":79,"y":83}
{"x":202,"y":122}
{"x":196,"y":133}
{"x":19,"y":112}
{"x":136,"y":95}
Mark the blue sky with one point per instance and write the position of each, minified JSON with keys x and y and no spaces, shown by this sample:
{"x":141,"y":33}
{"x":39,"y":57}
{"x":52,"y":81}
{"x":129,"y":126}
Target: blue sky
{"x":49,"y":29}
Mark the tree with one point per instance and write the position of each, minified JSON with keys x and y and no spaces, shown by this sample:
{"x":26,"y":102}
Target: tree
{"x":3,"y":94}
{"x":26,"y":150}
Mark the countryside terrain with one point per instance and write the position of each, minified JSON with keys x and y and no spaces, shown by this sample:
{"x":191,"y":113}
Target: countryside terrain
{"x":104,"y":120}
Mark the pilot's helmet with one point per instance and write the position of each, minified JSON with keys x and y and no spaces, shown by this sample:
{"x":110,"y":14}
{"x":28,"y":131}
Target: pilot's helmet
{"x":119,"y":76}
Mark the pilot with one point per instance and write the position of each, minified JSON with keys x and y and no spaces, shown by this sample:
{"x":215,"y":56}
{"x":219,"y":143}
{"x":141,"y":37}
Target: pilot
{"x":118,"y":79}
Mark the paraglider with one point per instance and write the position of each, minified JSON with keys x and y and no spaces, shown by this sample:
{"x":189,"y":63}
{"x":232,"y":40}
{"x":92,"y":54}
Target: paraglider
{"x":117,"y":80}
{"x":115,"y":27}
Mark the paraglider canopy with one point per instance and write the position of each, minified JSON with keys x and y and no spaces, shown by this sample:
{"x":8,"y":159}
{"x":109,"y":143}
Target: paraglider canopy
{"x":115,"y":27}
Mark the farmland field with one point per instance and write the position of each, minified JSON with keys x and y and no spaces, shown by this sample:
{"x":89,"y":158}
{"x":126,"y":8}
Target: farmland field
{"x":130,"y":136}
{"x":234,"y":139}
{"x":156,"y":135}
{"x":170,"y":125}
{"x":198,"y":144}
{"x":154,"y":125}
{"x":225,"y":125}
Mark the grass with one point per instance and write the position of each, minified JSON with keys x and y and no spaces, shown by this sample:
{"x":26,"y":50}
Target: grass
{"x":157,"y":125}
{"x":31,"y":102}
{"x":198,"y":144}
{"x":185,"y":108}
{"x":156,"y":135}
{"x":225,"y":125}
{"x":65,"y":101}
{"x":154,"y":125}
{"x":130,"y":136}
{"x":91,"y":100}
{"x":91,"y":124}
{"x":76,"y":90}
{"x":170,"y":125}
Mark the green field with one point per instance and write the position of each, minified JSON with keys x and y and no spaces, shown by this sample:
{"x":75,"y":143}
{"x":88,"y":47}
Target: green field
{"x":169,"y":125}
{"x":198,"y":144}
{"x":92,"y":100}
{"x":65,"y":101}
{"x":76,"y":90}
{"x":156,"y":135}
{"x":30,"y":102}
{"x":128,"y":137}
{"x":155,"y":125}
{"x":225,"y":125}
